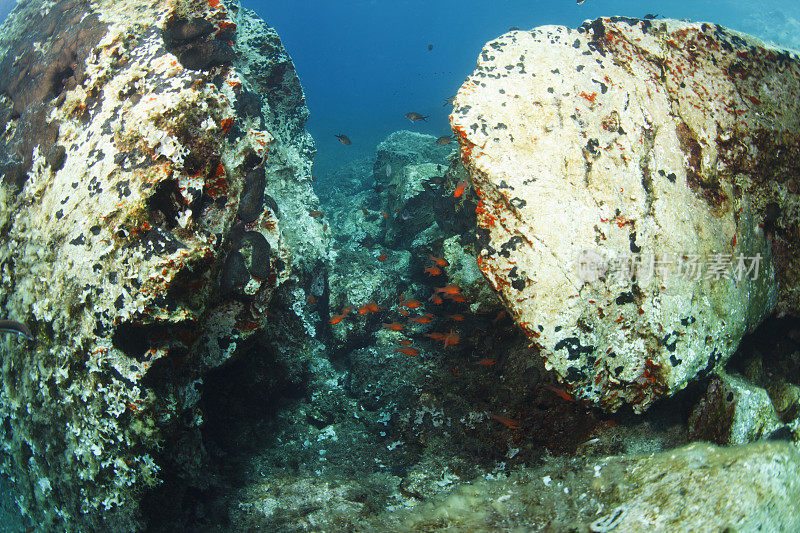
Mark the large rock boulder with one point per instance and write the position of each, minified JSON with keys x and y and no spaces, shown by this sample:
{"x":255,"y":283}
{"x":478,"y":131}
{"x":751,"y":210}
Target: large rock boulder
{"x":156,"y":174}
{"x":638,"y":195}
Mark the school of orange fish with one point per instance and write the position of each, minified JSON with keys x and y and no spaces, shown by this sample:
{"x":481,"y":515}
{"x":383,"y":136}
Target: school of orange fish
{"x":424,"y":313}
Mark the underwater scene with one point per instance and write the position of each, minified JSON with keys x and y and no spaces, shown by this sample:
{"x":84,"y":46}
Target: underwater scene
{"x":374,"y":266}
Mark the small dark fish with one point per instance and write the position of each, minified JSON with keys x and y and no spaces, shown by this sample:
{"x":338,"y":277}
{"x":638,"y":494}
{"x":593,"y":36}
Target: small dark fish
{"x":430,"y":47}
{"x":380,"y":188}
{"x":581,"y":1}
{"x":433,"y":183}
{"x":444,"y":139}
{"x":12,"y":326}
{"x":344,"y":139}
{"x":449,"y":101}
{"x":650,"y":16}
{"x":415,"y":117}
{"x":405,"y":215}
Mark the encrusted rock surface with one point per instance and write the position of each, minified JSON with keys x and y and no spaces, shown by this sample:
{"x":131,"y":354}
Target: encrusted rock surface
{"x":733,"y":411}
{"x":660,"y":155}
{"x":699,"y":487}
{"x":155,"y":205}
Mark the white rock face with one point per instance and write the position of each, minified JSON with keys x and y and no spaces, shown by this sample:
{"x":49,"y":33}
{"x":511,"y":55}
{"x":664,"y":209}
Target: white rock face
{"x":630,"y":175}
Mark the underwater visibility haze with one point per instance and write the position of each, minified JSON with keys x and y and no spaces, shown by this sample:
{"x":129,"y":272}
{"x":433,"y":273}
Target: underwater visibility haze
{"x":399,"y":266}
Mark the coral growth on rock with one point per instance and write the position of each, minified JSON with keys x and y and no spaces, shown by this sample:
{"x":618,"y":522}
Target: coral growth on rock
{"x":142,"y":239}
{"x":638,"y":199}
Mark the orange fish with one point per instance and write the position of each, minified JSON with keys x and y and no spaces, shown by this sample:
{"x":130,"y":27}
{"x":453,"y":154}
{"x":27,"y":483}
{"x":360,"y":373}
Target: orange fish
{"x":370,"y":307}
{"x":424,"y":319}
{"x":486,"y":362}
{"x":404,"y":342}
{"x":382,"y":257}
{"x":336,"y":247}
{"x":457,"y":297}
{"x":433,"y":271}
{"x":448,"y":289}
{"x":311,"y":299}
{"x":435,"y":335}
{"x":435,"y":300}
{"x":457,"y":318}
{"x":408,"y":351}
{"x":335,"y":319}
{"x":509,"y":422}
{"x":403,"y":312}
{"x":346,"y":311}
{"x":385,"y":215}
{"x":394,"y":326}
{"x":451,"y":339}
{"x":366,"y":213}
{"x":316,"y":214}
{"x":560,"y":391}
{"x":439,"y":261}
{"x":460,"y":189}
{"x":411,"y":304}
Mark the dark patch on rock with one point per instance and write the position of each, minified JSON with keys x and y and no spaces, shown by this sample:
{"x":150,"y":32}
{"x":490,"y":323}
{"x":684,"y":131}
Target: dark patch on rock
{"x":625,"y":298}
{"x":48,"y":59}
{"x":707,"y":186}
{"x":634,"y":247}
{"x":162,"y":242}
{"x":598,"y":34}
{"x":782,"y":433}
{"x":482,"y":238}
{"x":166,"y":203}
{"x":771,"y":214}
{"x":575,"y":374}
{"x":518,"y":203}
{"x":511,"y":245}
{"x":252,"y":204}
{"x":712,"y":418}
{"x":272,"y":204}
{"x":234,"y":274}
{"x":670,"y":344}
{"x":592,"y":145}
{"x":257,"y":253}
{"x":206,"y":55}
{"x":178,"y":31}
{"x":56,"y":157}
{"x":248,"y":104}
{"x":573,"y":347}
{"x":190,"y":40}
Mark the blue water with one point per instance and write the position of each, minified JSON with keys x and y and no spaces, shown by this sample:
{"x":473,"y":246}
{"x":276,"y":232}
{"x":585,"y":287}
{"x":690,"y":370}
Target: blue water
{"x":5,"y":7}
{"x":365,"y":63}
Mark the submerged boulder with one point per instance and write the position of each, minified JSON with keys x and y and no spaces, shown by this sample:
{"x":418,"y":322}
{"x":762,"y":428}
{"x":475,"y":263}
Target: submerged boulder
{"x":152,"y":231}
{"x":638,"y":195}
